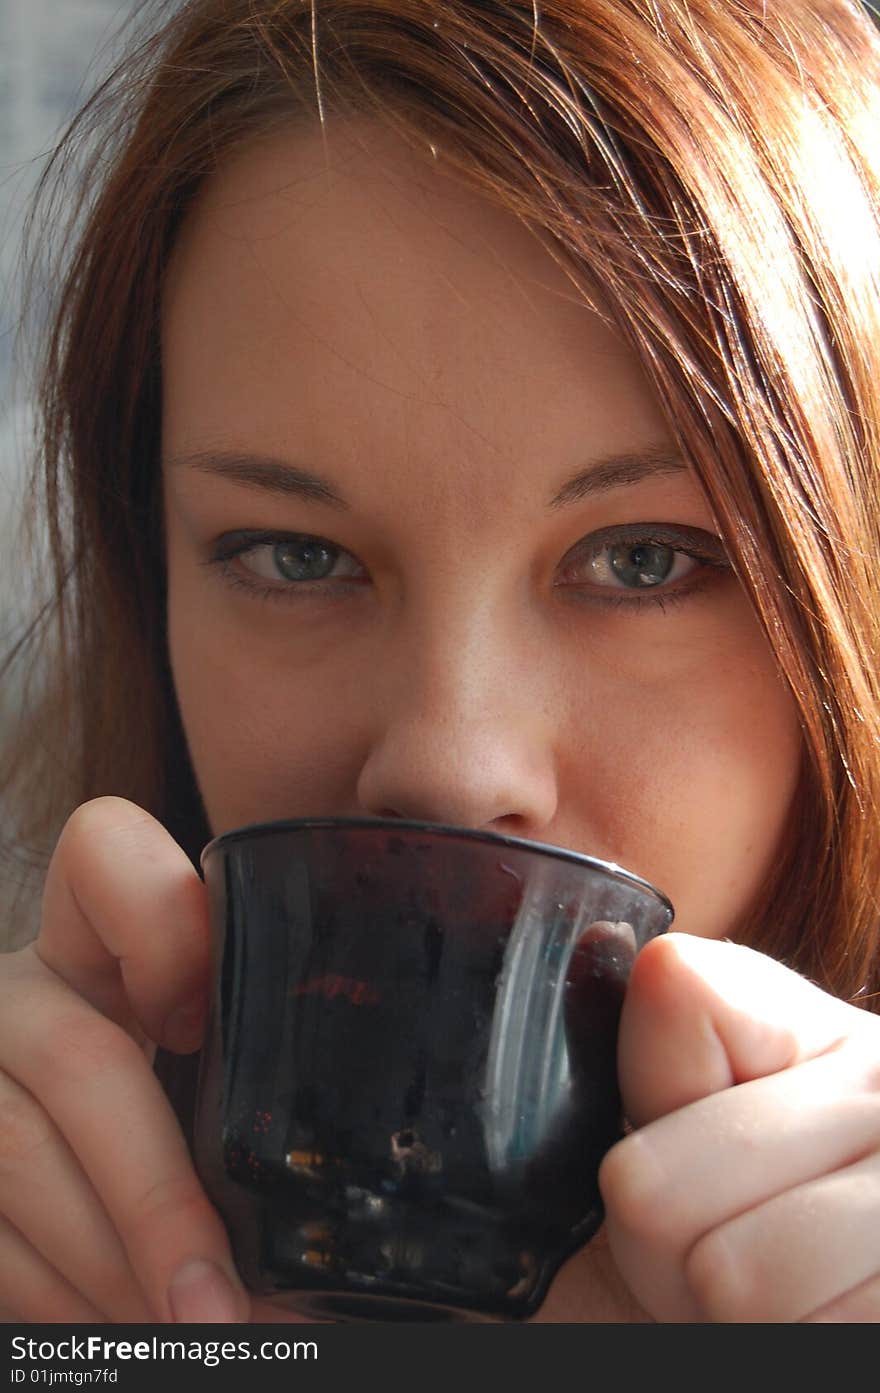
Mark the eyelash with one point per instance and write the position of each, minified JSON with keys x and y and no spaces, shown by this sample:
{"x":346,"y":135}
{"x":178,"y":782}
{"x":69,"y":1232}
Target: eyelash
{"x":693,"y":543}
{"x":235,"y":544}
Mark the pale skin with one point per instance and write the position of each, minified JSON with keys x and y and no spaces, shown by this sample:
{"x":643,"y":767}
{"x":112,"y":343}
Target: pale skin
{"x":585,"y":671}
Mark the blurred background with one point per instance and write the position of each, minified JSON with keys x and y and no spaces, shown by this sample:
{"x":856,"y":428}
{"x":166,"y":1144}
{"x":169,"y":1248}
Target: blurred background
{"x":52,"y":52}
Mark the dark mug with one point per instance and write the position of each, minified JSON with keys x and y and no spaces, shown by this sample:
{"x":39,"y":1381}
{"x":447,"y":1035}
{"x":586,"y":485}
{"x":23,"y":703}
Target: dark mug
{"x":409,"y":1076}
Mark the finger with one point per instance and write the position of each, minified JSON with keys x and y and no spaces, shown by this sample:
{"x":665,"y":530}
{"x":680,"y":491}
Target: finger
{"x":48,"y":1200}
{"x":125,"y":921}
{"x":700,"y":1016}
{"x":94,"y":1082}
{"x":861,"y":1305}
{"x":31,"y":1289}
{"x":676,"y":1177}
{"x":690,"y":1172}
{"x":799,"y":1252}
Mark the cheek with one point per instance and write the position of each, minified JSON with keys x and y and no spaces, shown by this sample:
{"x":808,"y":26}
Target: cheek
{"x":695,"y":781}
{"x":264,"y":742}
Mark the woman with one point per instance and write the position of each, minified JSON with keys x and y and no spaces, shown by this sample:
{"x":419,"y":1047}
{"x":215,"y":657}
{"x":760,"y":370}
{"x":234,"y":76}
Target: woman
{"x":470,"y":412}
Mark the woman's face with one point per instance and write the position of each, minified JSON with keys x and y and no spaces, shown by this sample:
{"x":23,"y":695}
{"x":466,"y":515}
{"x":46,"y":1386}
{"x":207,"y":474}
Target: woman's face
{"x":430,"y":553}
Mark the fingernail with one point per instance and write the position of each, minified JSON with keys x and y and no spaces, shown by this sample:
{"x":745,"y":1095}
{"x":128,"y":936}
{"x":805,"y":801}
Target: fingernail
{"x":201,"y":1294}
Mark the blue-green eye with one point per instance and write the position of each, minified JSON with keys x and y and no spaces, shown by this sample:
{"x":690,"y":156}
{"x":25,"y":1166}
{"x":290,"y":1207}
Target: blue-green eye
{"x":641,"y":565}
{"x":297,"y":559}
{"x":303,"y":560}
{"x":641,"y":557}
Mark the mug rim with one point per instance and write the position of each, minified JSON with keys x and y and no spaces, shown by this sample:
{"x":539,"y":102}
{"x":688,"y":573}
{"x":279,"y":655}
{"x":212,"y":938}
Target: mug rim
{"x":276,"y":827}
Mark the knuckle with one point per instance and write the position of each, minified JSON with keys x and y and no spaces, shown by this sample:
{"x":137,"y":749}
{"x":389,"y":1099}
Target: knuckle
{"x":174,"y":1203}
{"x":632,"y":1190}
{"x":719,"y":1282}
{"x":79,"y":1043}
{"x":25,"y":1129}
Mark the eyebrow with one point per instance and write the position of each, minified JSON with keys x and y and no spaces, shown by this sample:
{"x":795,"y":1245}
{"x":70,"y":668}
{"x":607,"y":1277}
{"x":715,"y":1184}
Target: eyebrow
{"x":618,"y":471}
{"x":279,"y":477}
{"x":262,"y":472}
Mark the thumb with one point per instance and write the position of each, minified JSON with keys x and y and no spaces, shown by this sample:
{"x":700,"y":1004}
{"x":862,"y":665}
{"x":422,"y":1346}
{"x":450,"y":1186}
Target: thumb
{"x":701,"y":1015}
{"x":125,"y":922}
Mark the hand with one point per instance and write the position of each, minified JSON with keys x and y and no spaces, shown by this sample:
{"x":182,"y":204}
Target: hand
{"x":750,"y":1190}
{"x":102,"y":1217}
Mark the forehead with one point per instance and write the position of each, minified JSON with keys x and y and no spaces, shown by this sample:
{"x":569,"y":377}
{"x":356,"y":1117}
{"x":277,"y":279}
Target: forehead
{"x":351,"y":198}
{"x":343,"y":266}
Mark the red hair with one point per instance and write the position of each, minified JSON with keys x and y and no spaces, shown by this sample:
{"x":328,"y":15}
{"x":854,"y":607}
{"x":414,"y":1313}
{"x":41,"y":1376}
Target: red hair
{"x":712,"y":171}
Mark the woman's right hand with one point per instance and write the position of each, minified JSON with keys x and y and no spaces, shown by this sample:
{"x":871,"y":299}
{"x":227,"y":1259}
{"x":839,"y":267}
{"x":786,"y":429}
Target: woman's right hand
{"x":102,"y":1217}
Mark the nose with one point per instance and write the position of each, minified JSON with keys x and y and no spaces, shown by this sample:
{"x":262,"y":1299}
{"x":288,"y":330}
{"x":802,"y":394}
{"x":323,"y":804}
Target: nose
{"x":463,"y":735}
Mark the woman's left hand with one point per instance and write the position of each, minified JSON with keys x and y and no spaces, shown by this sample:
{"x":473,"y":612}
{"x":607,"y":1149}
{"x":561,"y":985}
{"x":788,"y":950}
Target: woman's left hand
{"x":750,"y":1189}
